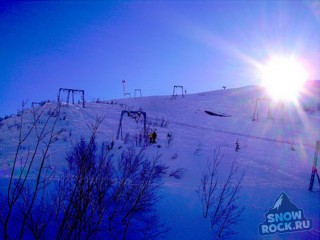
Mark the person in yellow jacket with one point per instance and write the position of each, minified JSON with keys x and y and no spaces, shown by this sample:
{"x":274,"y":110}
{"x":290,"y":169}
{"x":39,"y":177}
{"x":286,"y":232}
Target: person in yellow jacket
{"x":151,"y":137}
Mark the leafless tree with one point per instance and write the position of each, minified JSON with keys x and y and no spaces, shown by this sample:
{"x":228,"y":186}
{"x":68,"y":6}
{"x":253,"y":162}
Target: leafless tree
{"x":94,"y":197}
{"x":226,"y":209}
{"x":137,"y":182}
{"x":30,"y":174}
{"x":82,"y":189}
{"x":209,"y":181}
{"x":220,"y":200}
{"x":178,"y":173}
{"x":97,"y":196}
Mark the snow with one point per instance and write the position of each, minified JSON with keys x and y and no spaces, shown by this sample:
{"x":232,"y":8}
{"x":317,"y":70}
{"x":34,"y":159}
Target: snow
{"x":276,"y":154}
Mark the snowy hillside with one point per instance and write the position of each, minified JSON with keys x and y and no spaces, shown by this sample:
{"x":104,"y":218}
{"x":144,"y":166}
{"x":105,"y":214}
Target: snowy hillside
{"x":276,"y":153}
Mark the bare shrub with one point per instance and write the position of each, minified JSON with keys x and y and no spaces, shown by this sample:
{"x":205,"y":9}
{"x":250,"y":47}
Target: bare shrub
{"x":99,"y":197}
{"x":94,"y":197}
{"x":82,"y":190}
{"x":30,"y":175}
{"x":220,"y":201}
{"x":209,"y":182}
{"x":135,"y":193}
{"x":227,"y":211}
{"x":164,"y":123}
{"x":178,"y":173}
{"x":197,"y":152}
{"x":174,"y":156}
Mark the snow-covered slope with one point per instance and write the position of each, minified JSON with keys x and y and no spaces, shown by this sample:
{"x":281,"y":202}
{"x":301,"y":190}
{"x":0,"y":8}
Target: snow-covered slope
{"x":276,"y":153}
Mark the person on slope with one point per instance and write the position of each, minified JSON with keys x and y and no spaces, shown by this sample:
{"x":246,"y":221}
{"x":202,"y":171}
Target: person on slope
{"x":237,"y":146}
{"x":154,"y":136}
{"x":151,"y":137}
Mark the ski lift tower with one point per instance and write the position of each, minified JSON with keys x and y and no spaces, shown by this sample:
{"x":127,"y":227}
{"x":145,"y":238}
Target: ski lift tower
{"x":137,"y":91}
{"x":72,"y":92}
{"x":134,"y":115}
{"x":314,"y":171}
{"x":124,"y":89}
{"x":255,"y":112}
{"x":177,"y":87}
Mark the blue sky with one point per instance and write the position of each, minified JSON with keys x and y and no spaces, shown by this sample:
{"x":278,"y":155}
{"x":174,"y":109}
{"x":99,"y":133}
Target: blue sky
{"x":153,"y":45}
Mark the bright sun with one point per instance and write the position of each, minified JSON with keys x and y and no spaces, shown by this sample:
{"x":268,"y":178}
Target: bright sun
{"x":283,"y":77}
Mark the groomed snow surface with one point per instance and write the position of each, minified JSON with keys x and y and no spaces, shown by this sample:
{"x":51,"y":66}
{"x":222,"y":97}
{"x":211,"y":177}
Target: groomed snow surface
{"x":276,"y":153}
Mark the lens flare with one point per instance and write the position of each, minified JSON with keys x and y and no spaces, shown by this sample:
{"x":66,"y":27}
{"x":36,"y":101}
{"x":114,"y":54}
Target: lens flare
{"x":283,"y":77}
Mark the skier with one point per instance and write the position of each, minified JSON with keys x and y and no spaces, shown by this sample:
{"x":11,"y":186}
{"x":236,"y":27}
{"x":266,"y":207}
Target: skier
{"x":237,"y":146}
{"x":169,"y":138}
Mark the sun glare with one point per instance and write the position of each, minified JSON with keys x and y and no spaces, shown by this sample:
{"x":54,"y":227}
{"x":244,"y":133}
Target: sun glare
{"x":283,"y":77}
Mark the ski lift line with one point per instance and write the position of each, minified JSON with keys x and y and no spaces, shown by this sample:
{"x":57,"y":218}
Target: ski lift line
{"x":305,"y":145}
{"x":171,"y":185}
